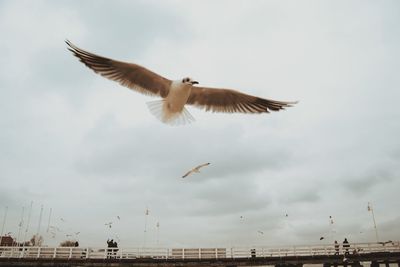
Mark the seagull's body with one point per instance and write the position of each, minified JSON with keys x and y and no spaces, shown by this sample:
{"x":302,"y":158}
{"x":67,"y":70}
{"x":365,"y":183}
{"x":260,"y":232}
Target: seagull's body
{"x":175,"y":94}
{"x":172,"y":108}
{"x":195,"y":169}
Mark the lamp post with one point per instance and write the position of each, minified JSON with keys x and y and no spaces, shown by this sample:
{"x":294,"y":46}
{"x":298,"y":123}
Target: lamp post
{"x":27,"y":225}
{"x":145,"y":226}
{"x":20,"y":224}
{"x":373,"y":218}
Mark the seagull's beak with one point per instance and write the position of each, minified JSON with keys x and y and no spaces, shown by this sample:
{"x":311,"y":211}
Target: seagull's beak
{"x":195,"y":82}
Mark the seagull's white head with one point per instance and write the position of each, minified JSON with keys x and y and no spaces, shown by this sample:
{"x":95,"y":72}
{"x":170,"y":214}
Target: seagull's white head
{"x":188,"y":80}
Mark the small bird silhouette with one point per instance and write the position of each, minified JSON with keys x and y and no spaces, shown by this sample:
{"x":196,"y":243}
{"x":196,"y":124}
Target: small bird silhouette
{"x":321,"y":238}
{"x":195,"y":169}
{"x":108,"y":224}
{"x":261,"y":232}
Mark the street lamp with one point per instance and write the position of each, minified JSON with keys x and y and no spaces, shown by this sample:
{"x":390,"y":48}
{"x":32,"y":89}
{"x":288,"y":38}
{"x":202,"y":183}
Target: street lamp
{"x":373,"y":218}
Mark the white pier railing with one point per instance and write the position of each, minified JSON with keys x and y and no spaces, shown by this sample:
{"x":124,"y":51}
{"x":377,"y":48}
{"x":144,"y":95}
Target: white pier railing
{"x":192,"y":253}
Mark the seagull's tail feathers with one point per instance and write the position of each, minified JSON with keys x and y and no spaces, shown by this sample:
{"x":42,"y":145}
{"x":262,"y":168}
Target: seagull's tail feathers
{"x":178,"y":118}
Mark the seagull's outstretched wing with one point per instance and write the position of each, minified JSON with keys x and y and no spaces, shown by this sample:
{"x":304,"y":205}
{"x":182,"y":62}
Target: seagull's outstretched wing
{"x":186,"y":174}
{"x":230,"y":101}
{"x":202,"y":165}
{"x":130,"y":75}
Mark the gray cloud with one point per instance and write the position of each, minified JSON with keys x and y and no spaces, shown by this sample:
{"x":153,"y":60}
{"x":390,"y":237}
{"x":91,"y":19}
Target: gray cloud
{"x":88,"y":148}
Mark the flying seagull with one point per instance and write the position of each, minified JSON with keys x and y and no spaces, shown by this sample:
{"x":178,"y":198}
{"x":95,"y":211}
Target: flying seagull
{"x":195,"y":169}
{"x":260,"y":232}
{"x":108,"y":224}
{"x":175,"y":94}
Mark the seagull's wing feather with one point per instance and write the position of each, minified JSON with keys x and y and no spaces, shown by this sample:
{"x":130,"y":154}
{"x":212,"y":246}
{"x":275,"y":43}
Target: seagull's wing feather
{"x":229,"y":101}
{"x":202,"y":165}
{"x":130,"y":75}
{"x":186,"y":174}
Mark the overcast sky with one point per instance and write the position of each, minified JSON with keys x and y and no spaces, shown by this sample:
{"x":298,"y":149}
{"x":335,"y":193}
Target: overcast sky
{"x":89,"y":148}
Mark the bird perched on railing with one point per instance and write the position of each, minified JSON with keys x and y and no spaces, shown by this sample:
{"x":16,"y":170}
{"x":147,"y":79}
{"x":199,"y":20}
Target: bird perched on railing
{"x":175,"y":94}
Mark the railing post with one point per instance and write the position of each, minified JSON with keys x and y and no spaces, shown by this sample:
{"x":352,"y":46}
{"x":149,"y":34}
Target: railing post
{"x":70,"y":253}
{"x":55,"y":252}
{"x":38,"y":253}
{"x":87,"y":253}
{"x":21,"y":255}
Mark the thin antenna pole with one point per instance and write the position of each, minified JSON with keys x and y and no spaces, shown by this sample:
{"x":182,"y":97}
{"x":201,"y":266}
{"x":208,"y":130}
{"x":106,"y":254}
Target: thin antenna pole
{"x":27,"y":224}
{"x":145,"y":226}
{"x":332,"y":229}
{"x":48,"y":223}
{"x":158,"y":230}
{"x":4,"y":223}
{"x":40,"y":221}
{"x":21,"y":223}
{"x":373,"y":218}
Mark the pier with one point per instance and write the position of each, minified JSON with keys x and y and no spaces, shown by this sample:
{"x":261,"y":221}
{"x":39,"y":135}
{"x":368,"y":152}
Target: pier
{"x":358,"y":254}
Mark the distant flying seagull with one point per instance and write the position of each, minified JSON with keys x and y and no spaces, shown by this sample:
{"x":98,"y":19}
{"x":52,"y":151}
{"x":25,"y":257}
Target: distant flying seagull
{"x":108,"y":224}
{"x":175,"y":94}
{"x":118,"y":218}
{"x":261,"y":232}
{"x":195,"y":169}
{"x":321,"y":238}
